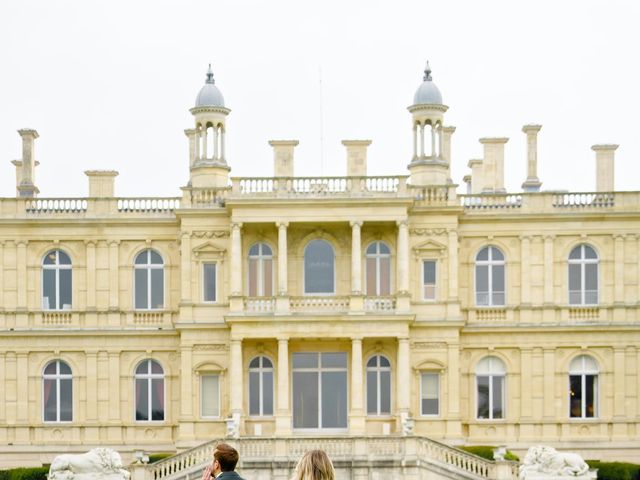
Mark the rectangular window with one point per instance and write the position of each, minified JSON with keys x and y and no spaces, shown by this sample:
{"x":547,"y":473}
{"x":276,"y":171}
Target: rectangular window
{"x":482,"y":285}
{"x":429,"y":280}
{"x":209,"y":282}
{"x":430,"y":394}
{"x":210,"y":396}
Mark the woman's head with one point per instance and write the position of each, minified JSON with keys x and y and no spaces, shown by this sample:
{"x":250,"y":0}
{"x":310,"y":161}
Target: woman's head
{"x":315,"y":465}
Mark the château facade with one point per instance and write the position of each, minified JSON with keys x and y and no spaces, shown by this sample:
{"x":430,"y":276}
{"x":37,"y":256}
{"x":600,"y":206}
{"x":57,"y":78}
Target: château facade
{"x":297,"y":307}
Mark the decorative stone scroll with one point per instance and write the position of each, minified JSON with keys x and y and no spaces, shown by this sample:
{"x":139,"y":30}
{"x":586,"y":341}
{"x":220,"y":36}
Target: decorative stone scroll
{"x":96,"y":464}
{"x":542,"y":462}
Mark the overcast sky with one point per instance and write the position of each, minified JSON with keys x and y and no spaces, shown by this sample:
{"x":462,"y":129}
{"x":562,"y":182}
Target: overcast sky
{"x":109,"y":84}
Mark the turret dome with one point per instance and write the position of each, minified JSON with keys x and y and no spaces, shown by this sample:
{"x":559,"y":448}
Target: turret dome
{"x":209,"y":95}
{"x":427,"y":93}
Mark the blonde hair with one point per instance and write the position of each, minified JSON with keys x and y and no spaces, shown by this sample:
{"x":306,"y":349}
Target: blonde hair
{"x":314,"y":465}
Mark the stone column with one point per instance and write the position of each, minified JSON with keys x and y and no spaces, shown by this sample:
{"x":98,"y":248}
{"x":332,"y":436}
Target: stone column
{"x":618,"y":252}
{"x":525,"y":270}
{"x":356,"y":258}
{"x":191,"y":135}
{"x":92,"y":386}
{"x":21,"y":272}
{"x":90,"y":246}
{"x":548,"y":269}
{"x":114,"y":286}
{"x":27,"y":187}
{"x":222,"y":154}
{"x":453,"y":264}
{"x":216,"y":154}
{"x":532,"y":183}
{"x":403,"y":257}
{"x":356,"y":415}
{"x":205,"y":143}
{"x":283,"y":281}
{"x":283,"y":414}
{"x":236,"y":260}
{"x":185,"y":267}
{"x":415,"y":141}
{"x":114,"y":387}
{"x":403,"y":376}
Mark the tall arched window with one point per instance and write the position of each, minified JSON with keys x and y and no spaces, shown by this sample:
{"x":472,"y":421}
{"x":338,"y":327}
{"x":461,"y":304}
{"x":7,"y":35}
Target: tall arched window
{"x":319,"y":267}
{"x":149,"y":391}
{"x":490,"y":281}
{"x":149,"y":280}
{"x":378,"y":269}
{"x":56,"y":281}
{"x":583,"y":276}
{"x":260,"y":270}
{"x":261,"y":387}
{"x":378,"y":386}
{"x":57,"y":392}
{"x":490,"y":388}
{"x":583,"y":387}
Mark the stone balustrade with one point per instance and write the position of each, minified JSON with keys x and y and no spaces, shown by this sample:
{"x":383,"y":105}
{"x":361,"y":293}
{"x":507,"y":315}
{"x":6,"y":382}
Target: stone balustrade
{"x":319,"y":304}
{"x":259,"y":304}
{"x":380,"y":304}
{"x":318,"y":186}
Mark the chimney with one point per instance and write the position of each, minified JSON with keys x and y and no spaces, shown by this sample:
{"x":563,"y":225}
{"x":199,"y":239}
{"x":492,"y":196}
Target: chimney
{"x":467,"y":182}
{"x":101,"y":183}
{"x":532,"y":183}
{"x":476,"y":180}
{"x":27,"y":187}
{"x":493,"y":164}
{"x":356,"y":157}
{"x":193,"y":147}
{"x":446,"y":144}
{"x":604,"y":167}
{"x":283,"y":157}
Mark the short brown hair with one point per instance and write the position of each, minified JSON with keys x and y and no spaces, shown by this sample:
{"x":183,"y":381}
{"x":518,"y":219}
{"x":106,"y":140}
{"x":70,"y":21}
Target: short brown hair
{"x":227,"y":456}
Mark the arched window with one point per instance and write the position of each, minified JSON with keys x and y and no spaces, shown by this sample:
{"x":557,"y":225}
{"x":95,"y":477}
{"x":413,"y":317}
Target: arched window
{"x":378,"y":386}
{"x":149,"y":391}
{"x":57,"y":392}
{"x":149,"y":280}
{"x":56,"y":281}
{"x":583,"y":387}
{"x":260,"y":387}
{"x":378,"y":269}
{"x":583,"y":276}
{"x":490,"y":275}
{"x":319,"y":268}
{"x":490,"y":375}
{"x":260,"y":270}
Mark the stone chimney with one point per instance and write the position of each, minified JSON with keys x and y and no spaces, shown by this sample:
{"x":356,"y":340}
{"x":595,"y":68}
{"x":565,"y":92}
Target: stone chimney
{"x":27,"y":186}
{"x":283,"y":157}
{"x":532,"y":183}
{"x":101,"y":183}
{"x":605,"y":156}
{"x":493,"y":164}
{"x":476,"y":180}
{"x":356,"y":157}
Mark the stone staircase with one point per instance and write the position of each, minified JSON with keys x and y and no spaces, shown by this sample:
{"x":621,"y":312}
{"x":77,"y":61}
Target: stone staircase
{"x":360,"y":458}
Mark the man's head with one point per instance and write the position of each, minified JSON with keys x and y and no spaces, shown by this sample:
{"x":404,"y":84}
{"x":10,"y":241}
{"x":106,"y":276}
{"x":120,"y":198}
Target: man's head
{"x":225,"y":458}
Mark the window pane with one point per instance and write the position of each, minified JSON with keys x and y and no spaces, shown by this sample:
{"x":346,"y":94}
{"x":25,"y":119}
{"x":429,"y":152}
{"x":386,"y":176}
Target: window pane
{"x":156,"y":259}
{"x":496,"y":254}
{"x":334,"y":360}
{"x":157,"y":399}
{"x":254,"y":393}
{"x":430,"y":394}
{"x":385,"y":392}
{"x":372,"y":393}
{"x":267,"y":266}
{"x":305,"y":399}
{"x":142,"y":299}
{"x":142,"y":258}
{"x":483,"y":396}
{"x":64,"y":368}
{"x":209,"y":393}
{"x":483,"y":254}
{"x":384,"y":362}
{"x":591,"y":276}
{"x":50,"y":396}
{"x":266,"y":250}
{"x":385,"y":276}
{"x":384,"y":249}
{"x":575,"y":396}
{"x":482,"y":285}
{"x":591,"y":392}
{"x":575,"y":253}
{"x":372,"y":289}
{"x":318,"y":267}
{"x":50,"y":258}
{"x":49,"y":290}
{"x":429,"y":272}
{"x":143,"y":368}
{"x":589,"y":252}
{"x":498,"y":383}
{"x":142,"y":399}
{"x":574,"y":277}
{"x":50,"y":369}
{"x":266,"y":363}
{"x":66,"y":400}
{"x":305,"y":360}
{"x":65,"y":289}
{"x":267,"y":394}
{"x":255,"y":250}
{"x":63,"y":258}
{"x":155,"y":367}
{"x":498,"y":278}
{"x":157,"y":288}
{"x":334,"y":399}
{"x":209,"y":282}
{"x":371,"y":249}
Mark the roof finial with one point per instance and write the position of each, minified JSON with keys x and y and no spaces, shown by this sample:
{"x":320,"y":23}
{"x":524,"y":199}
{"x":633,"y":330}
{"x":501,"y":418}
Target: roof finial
{"x":210,"y":75}
{"x":427,"y":72}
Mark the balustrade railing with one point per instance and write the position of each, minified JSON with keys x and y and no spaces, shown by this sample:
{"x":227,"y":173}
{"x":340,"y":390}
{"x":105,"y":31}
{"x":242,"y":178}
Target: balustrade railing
{"x":318,"y":186}
{"x":433,"y":194}
{"x":208,"y":197}
{"x":319,"y":304}
{"x":456,"y":458}
{"x":492,"y":201}
{"x":380,"y":304}
{"x":259,"y":304}
{"x":56,"y":205}
{"x":148,"y":204}
{"x":584,"y":200}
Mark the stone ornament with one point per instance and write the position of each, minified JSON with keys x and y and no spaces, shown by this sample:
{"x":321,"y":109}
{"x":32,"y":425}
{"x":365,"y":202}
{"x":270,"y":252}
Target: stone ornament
{"x":542,"y":462}
{"x":96,"y":464}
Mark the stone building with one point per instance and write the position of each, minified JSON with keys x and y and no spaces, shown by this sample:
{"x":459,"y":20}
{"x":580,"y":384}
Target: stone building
{"x":321,"y":309}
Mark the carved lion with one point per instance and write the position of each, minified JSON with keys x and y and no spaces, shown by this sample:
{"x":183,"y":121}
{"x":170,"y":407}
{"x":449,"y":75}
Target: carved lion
{"x":95,"y":464}
{"x":545,"y":461}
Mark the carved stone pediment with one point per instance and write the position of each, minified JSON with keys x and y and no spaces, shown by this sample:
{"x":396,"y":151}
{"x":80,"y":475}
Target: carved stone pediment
{"x":430,"y":247}
{"x":209,"y":251}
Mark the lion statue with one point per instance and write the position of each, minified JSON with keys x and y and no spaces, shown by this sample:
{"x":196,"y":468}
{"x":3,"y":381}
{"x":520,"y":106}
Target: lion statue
{"x":96,"y":464}
{"x":542,"y":461}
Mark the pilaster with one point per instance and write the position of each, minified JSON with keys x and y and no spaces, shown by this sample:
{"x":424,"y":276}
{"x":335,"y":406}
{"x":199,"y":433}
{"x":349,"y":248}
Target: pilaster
{"x":236,"y":377}
{"x":453,"y":265}
{"x":618,"y":255}
{"x":356,"y":414}
{"x":236,"y":304}
{"x":114,"y":387}
{"x":403,"y":257}
{"x":525,"y":270}
{"x":185,"y":265}
{"x":548,"y":269}
{"x":91,"y":382}
{"x":283,"y":414}
{"x":90,"y":247}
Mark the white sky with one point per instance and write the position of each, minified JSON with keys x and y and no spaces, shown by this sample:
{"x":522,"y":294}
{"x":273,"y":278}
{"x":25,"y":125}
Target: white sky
{"x":109,"y":84}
